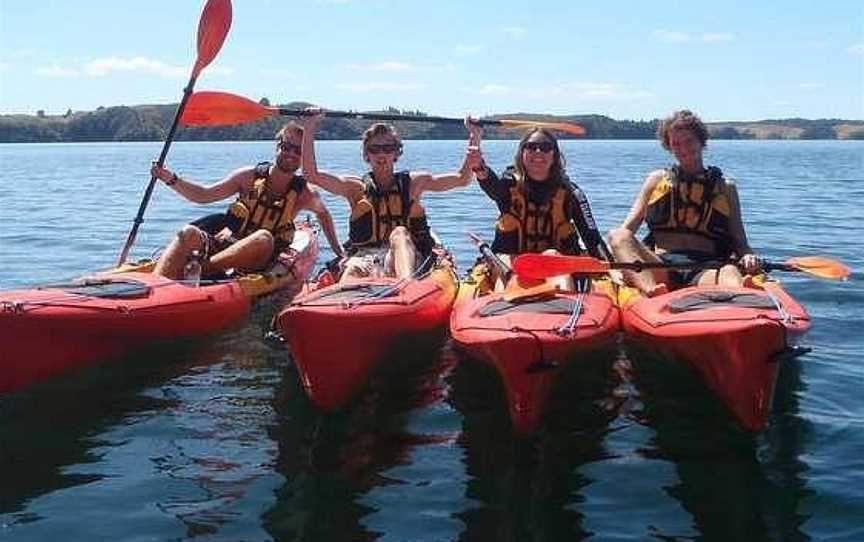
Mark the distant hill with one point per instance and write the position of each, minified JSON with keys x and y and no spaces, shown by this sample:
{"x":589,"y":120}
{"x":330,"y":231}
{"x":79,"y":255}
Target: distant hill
{"x":151,"y":123}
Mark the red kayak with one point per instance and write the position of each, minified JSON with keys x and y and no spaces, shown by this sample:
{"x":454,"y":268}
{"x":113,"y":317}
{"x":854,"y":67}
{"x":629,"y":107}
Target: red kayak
{"x":529,"y":340}
{"x":340,"y":333}
{"x":735,"y":338}
{"x":50,"y":329}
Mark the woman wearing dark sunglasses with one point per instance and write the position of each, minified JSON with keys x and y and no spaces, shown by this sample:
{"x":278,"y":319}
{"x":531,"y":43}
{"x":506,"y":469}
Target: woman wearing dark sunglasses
{"x":541,"y":210}
{"x":388,"y":231}
{"x":258,"y":225}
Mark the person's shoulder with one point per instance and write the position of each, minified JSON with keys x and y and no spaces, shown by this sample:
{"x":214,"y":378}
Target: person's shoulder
{"x":657,"y":174}
{"x":655,"y":177}
{"x":244,"y":176}
{"x":719,"y":175}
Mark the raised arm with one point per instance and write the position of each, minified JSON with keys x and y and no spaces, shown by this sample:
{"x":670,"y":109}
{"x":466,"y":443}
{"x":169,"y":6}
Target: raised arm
{"x":423,"y":181}
{"x":315,"y":204}
{"x":640,"y":205}
{"x":198,"y":193}
{"x":347,"y":187}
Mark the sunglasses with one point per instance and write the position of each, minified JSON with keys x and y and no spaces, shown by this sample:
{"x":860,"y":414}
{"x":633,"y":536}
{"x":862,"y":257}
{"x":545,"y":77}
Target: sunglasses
{"x":287,"y":146}
{"x":542,"y":146}
{"x":388,"y":148}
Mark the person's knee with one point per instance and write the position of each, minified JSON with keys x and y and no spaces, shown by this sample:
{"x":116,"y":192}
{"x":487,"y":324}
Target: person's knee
{"x":729,"y":275}
{"x":400,"y":234}
{"x":191,"y":237}
{"x":262,"y":240}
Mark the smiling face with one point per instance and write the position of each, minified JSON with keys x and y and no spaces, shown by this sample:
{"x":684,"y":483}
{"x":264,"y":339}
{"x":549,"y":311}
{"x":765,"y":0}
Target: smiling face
{"x":538,"y":153}
{"x":687,"y":148}
{"x":381,"y":148}
{"x":685,"y":136}
{"x":288,"y":151}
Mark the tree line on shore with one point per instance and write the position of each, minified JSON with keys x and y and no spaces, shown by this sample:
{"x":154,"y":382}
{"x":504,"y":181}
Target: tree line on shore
{"x":152,"y":122}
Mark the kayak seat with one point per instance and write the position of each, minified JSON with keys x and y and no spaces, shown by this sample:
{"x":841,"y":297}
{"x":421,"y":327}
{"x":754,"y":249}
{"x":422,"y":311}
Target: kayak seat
{"x":103,"y":288}
{"x":706,"y":300}
{"x":555,"y":305}
{"x":359,"y":291}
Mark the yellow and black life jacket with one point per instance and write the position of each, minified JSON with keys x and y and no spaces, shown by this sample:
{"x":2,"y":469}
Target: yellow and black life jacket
{"x":698,"y":206}
{"x":377,"y":213}
{"x":261,"y":209}
{"x":526,"y":226}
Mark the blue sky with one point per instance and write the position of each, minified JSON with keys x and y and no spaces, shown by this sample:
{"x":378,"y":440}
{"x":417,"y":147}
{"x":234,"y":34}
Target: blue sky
{"x":727,"y":60}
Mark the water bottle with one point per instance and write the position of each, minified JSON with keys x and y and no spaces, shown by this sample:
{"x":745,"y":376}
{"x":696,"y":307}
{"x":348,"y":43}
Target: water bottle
{"x":192,"y":270}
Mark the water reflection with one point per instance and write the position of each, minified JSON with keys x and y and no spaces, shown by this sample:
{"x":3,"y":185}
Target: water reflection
{"x":339,"y":467}
{"x":171,"y":437}
{"x":734,"y":485}
{"x":49,"y":427}
{"x":530,"y":488}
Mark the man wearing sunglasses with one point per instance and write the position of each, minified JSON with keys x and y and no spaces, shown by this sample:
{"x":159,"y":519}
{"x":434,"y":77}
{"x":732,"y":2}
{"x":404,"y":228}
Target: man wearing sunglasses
{"x":388,"y":231}
{"x":541,"y":210}
{"x":258,"y":225}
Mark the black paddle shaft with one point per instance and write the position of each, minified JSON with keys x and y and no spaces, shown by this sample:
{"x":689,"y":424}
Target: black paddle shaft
{"x":390,"y":117}
{"x":139,"y":218}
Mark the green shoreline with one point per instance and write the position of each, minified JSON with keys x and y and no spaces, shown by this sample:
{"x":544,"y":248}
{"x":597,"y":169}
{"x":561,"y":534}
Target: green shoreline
{"x":151,"y":123}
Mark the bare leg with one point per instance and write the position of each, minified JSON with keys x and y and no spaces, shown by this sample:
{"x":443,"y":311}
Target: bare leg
{"x":626,"y":248}
{"x":250,"y":253}
{"x":404,"y":252}
{"x":172,"y":261}
{"x":730,"y":275}
{"x":355,"y":268}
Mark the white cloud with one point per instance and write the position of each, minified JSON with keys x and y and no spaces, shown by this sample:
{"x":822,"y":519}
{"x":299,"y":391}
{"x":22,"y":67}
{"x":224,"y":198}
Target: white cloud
{"x":613,"y":91}
{"x":384,"y":66}
{"x":278,"y":73}
{"x":717,"y":37}
{"x":815,"y":44}
{"x":393,"y":66}
{"x":513,"y":31}
{"x":383,"y":86}
{"x":857,"y":49}
{"x":463,"y":49}
{"x":570,"y":90}
{"x":57,"y":71}
{"x":5,"y":67}
{"x":671,"y":37}
{"x":102,"y":67}
{"x":812,"y":86}
{"x":496,"y":89}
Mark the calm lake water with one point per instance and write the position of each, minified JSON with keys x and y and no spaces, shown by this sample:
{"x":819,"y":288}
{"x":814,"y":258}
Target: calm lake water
{"x":215,"y":440}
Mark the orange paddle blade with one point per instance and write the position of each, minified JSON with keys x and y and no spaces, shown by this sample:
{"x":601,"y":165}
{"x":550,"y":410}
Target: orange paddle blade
{"x":820,"y":266}
{"x":567,"y":127}
{"x":212,"y":108}
{"x":212,"y":31}
{"x":541,"y":266}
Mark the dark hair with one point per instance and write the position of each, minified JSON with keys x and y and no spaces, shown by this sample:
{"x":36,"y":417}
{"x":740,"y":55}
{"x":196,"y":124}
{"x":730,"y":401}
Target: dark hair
{"x":682,"y":120}
{"x":556,"y":172}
